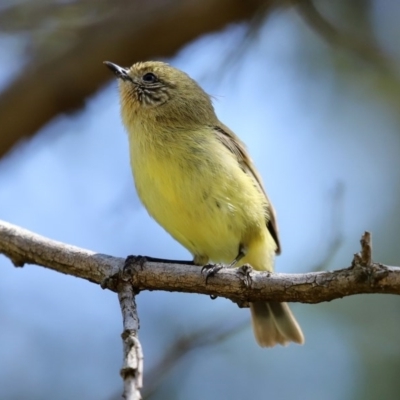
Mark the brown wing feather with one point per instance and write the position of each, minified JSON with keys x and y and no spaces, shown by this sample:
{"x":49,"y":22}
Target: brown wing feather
{"x":237,"y":147}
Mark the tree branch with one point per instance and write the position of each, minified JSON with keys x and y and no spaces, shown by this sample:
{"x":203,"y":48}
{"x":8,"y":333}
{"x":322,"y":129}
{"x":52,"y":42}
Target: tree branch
{"x":363,"y":276}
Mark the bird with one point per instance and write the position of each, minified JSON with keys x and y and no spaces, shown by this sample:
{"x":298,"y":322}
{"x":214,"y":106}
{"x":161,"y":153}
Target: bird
{"x":195,"y":177}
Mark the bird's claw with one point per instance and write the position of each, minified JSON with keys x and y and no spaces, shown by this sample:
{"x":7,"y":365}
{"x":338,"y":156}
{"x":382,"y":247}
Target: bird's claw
{"x":244,"y":273}
{"x":211,"y":270}
{"x":131,"y":262}
{"x":111,"y":282}
{"x":130,"y":267}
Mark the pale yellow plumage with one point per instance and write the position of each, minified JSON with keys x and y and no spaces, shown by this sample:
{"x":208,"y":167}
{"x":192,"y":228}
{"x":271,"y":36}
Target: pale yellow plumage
{"x":195,"y":178}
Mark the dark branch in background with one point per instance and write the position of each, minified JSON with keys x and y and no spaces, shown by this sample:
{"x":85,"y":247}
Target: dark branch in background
{"x":65,"y":69}
{"x":367,"y":50}
{"x":22,"y":247}
{"x":65,"y":66}
{"x":334,"y":227}
{"x":131,"y":31}
{"x":209,"y":336}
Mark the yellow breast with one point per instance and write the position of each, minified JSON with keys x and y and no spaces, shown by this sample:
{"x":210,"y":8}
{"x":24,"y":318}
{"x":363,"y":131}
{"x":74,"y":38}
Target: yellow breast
{"x":196,"y":190}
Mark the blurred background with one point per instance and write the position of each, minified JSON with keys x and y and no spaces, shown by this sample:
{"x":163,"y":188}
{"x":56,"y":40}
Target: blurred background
{"x":312,"y":87}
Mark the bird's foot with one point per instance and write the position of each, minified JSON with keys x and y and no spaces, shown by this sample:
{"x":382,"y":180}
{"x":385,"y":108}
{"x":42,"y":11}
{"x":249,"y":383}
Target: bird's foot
{"x":131,"y":262}
{"x":111,"y":282}
{"x":244,"y":273}
{"x":211,"y":270}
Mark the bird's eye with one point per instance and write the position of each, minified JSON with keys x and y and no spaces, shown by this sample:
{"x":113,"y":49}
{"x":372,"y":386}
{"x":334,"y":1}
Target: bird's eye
{"x":149,"y":77}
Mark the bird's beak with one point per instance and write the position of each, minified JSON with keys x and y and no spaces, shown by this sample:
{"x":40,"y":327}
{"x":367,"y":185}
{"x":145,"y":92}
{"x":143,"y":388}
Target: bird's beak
{"x":121,"y":73}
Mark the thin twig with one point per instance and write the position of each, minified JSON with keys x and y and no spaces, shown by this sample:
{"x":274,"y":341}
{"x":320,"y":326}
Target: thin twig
{"x":132,"y":369}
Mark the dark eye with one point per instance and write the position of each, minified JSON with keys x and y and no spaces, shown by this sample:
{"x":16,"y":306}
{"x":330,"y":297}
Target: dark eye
{"x":149,"y":77}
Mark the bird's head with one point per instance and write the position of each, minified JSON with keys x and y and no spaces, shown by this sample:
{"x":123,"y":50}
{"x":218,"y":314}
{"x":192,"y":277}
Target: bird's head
{"x":154,"y":90}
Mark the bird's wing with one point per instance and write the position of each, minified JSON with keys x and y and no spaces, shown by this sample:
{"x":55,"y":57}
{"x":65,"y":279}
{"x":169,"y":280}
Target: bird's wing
{"x":238,"y":148}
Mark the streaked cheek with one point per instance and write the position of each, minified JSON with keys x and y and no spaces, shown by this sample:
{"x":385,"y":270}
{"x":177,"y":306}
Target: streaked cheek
{"x":153,"y":97}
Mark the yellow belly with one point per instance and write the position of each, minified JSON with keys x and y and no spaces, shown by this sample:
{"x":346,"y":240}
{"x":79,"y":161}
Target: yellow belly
{"x":207,"y":203}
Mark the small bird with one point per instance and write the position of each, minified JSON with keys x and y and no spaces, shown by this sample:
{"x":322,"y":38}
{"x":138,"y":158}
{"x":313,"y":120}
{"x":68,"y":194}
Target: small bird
{"x":197,"y":180}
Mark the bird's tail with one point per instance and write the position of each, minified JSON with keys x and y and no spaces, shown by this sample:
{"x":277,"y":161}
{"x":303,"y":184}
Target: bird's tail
{"x":274,"y":323}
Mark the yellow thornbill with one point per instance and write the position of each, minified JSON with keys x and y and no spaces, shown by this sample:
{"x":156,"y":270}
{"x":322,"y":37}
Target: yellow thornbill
{"x":197,"y":180}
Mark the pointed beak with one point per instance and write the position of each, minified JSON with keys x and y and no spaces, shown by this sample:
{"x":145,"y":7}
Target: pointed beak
{"x":121,"y":73}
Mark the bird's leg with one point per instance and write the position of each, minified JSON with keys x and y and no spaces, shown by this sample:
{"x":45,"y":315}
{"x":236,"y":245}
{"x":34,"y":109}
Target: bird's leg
{"x":143,"y":259}
{"x":212,"y":269}
{"x":132,"y":261}
{"x":241,"y":254}
{"x":244,"y":270}
{"x":166,"y":261}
